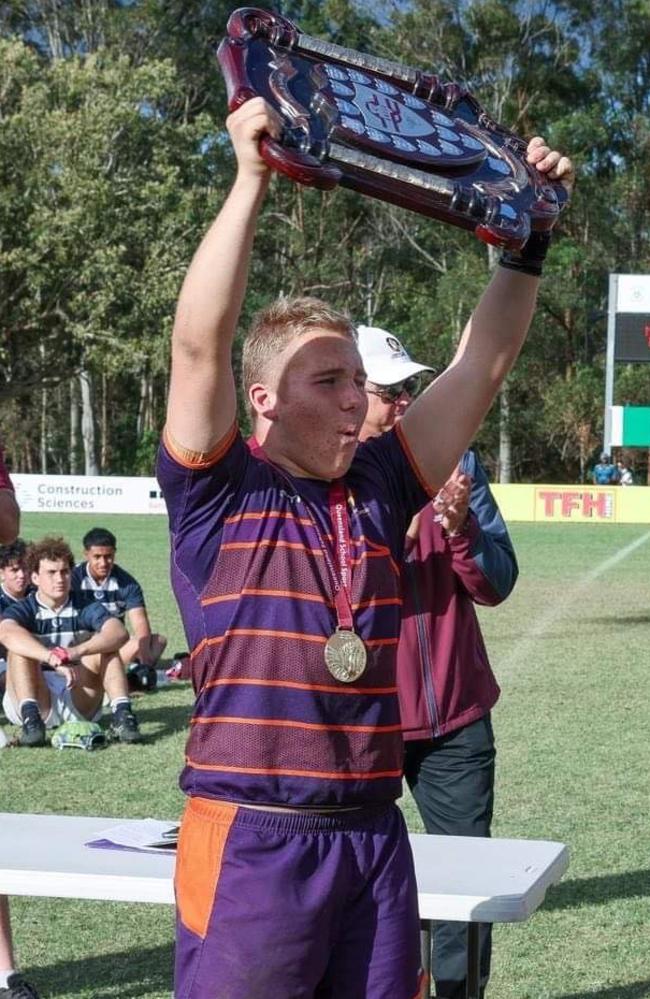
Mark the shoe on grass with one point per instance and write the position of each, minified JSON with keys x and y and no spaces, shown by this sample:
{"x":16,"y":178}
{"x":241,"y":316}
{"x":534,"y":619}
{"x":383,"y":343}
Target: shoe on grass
{"x":32,"y":734}
{"x":18,"y":988}
{"x":124,"y":726}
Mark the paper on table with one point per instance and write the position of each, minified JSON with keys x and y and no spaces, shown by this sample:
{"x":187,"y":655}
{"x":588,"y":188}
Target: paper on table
{"x":146,"y":835}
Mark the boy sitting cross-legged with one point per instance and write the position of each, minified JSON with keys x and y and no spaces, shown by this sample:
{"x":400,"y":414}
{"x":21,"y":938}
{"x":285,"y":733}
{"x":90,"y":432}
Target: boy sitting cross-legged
{"x":78,"y":641}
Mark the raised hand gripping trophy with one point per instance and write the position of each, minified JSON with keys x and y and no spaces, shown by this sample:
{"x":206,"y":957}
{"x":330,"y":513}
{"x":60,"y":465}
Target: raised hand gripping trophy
{"x":385,"y":130}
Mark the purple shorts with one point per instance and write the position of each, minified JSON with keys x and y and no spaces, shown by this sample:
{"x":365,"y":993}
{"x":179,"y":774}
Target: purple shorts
{"x":295,"y":906}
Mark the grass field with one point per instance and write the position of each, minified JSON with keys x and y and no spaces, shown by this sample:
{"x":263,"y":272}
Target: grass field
{"x":570,"y":649}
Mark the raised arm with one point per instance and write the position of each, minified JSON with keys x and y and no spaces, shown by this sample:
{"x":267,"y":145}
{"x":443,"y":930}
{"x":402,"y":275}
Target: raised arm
{"x":202,"y":398}
{"x":442,"y":422}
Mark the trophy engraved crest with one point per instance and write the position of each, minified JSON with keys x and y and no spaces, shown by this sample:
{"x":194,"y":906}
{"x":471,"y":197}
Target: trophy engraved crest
{"x":385,"y":130}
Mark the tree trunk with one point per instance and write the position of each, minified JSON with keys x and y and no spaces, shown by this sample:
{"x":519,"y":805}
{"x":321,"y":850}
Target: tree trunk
{"x":142,"y":405}
{"x":88,"y":422}
{"x":43,"y":422}
{"x":43,"y":433}
{"x":505,"y":453}
{"x":103,"y":456}
{"x":505,"y":442}
{"x":73,"y":458}
{"x":150,"y":423}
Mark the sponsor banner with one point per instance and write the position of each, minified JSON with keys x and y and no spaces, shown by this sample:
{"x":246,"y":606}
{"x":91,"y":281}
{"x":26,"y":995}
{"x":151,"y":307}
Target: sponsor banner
{"x":574,"y":504}
{"x":88,"y":494}
{"x":583,"y":505}
{"x":538,"y":503}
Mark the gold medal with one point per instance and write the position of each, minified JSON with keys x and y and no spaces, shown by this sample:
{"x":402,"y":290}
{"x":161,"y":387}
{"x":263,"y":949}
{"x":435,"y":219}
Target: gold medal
{"x":345,"y":655}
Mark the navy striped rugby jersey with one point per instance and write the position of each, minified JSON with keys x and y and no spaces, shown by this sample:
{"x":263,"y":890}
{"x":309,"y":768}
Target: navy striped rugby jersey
{"x":74,"y":622}
{"x":6,"y":600}
{"x":119,"y":593}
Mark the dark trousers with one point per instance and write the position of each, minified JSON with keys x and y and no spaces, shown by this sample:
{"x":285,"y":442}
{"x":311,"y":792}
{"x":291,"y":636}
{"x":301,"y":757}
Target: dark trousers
{"x":452,"y":780}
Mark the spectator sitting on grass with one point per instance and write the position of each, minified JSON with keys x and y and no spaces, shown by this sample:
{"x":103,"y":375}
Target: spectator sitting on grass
{"x":120,"y":593}
{"x":14,"y":584}
{"x":79,"y":642}
{"x":14,"y":581}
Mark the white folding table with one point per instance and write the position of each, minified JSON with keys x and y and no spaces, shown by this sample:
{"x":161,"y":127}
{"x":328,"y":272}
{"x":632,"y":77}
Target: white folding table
{"x":459,"y":878}
{"x":478,"y":881}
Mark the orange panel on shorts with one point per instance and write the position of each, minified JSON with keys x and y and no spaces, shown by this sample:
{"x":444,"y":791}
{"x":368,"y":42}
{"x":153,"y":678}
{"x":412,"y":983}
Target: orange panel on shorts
{"x":201,"y":843}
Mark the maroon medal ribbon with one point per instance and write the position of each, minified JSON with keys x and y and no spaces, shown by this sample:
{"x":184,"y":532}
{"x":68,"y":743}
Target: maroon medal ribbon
{"x":342,"y":549}
{"x":345,"y":652}
{"x":338,"y":508}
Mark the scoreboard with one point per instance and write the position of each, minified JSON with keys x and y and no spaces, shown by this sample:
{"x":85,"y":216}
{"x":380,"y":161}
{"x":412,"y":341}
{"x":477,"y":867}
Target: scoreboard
{"x":632,"y":321}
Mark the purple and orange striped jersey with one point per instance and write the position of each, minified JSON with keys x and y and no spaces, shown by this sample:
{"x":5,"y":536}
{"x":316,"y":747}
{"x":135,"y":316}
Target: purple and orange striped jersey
{"x":270,"y":724}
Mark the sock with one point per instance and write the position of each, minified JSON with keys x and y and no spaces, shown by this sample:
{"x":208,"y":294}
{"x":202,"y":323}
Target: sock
{"x":5,"y":976}
{"x":120,"y":703}
{"x":28,"y":707}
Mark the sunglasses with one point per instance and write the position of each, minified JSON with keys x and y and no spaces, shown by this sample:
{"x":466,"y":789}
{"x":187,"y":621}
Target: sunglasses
{"x":391,"y":393}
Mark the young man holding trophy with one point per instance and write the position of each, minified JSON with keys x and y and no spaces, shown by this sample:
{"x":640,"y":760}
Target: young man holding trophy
{"x":294,"y":874}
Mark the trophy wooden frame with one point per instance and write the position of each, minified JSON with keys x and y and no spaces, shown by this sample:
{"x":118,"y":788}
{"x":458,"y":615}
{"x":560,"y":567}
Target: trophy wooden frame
{"x":385,"y":130}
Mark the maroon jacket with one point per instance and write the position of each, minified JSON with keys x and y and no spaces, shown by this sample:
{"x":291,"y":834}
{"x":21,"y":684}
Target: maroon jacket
{"x":444,"y":677}
{"x":5,"y":481}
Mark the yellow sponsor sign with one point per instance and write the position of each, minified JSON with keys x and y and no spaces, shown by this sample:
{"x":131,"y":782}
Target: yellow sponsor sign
{"x":566,"y":503}
{"x":574,"y":504}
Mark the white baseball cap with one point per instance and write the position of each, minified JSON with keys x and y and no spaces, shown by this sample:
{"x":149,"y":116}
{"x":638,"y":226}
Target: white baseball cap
{"x":384,"y":358}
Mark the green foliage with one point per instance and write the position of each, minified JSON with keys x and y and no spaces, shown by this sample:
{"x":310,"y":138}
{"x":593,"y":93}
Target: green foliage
{"x":111,"y":183}
{"x":573,"y":415}
{"x":145,"y":457}
{"x":113,"y":160}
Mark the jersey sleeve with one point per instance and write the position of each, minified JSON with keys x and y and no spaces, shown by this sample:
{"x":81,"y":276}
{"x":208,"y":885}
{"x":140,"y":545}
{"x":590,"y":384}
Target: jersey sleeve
{"x":200,"y":492}
{"x":22,"y":612}
{"x":131,"y":591}
{"x":388,"y":465}
{"x":483,"y":556}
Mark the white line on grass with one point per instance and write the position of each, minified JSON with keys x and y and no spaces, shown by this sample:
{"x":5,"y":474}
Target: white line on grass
{"x":564,"y":604}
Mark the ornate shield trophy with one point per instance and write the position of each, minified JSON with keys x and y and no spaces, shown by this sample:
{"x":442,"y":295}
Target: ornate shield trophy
{"x":385,"y":130}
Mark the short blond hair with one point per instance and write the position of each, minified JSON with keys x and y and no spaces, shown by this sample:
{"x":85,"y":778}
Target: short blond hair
{"x":282,"y":321}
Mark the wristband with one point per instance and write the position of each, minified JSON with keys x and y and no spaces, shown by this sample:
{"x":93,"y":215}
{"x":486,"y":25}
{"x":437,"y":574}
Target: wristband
{"x":61,"y":654}
{"x":530,"y":259}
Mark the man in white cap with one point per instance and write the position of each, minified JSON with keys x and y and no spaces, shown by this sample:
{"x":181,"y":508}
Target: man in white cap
{"x":457,"y":552}
{"x":393,"y":378}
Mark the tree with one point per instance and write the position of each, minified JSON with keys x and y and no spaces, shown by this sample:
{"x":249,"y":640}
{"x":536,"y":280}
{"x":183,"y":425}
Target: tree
{"x":110,"y":194}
